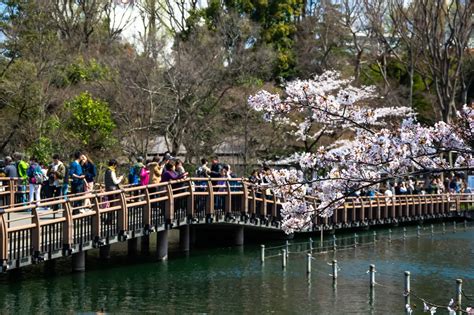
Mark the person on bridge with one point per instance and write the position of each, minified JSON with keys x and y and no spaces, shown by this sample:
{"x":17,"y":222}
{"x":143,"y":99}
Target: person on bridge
{"x":170,"y":174}
{"x":90,"y":172}
{"x":110,"y":180}
{"x":21,"y":167}
{"x":134,"y":172}
{"x":216,"y":168}
{"x":10,"y":168}
{"x":155,"y":169}
{"x":56,"y":172}
{"x":76,"y":174}
{"x":35,"y":179}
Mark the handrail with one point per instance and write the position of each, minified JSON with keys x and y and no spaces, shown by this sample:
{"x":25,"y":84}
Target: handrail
{"x":133,"y":207}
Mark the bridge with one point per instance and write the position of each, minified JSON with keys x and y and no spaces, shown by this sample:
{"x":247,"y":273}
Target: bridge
{"x":70,"y":226}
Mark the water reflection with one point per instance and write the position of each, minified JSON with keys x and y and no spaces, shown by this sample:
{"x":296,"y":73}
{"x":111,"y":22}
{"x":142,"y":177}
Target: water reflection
{"x":232,"y":280}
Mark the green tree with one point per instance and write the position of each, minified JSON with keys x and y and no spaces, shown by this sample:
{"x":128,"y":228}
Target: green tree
{"x":90,"y":122}
{"x":277,"y":19}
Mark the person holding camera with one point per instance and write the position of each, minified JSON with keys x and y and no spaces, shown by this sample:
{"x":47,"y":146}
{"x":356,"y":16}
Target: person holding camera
{"x":56,"y":172}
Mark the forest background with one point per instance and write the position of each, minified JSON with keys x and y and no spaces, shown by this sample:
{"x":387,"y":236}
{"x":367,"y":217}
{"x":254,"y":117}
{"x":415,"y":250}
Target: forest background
{"x":71,"y":78}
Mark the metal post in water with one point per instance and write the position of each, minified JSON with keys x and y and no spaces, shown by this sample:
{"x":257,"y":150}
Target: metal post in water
{"x":310,"y":245}
{"x":389,"y":235}
{"x":432,"y":230}
{"x":465,"y":224}
{"x":283,"y":258}
{"x":287,"y":248}
{"x":372,"y":276}
{"x":444,"y":228}
{"x":375,"y":237}
{"x":355,"y":240}
{"x":407,"y":287}
{"x":458,"y":293}
{"x":308,"y":263}
{"x":262,"y":253}
{"x":418,"y":231}
{"x":454,"y":226}
{"x":334,"y":269}
{"x":334,"y":242}
{"x":404,"y":233}
{"x":321,"y":244}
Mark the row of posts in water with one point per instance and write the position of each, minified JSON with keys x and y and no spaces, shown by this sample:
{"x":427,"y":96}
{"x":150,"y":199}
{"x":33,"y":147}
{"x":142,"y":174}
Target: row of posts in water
{"x":285,"y":255}
{"x":285,"y":252}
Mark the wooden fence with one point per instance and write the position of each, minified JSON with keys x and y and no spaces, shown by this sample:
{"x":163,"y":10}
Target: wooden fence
{"x":30,"y":233}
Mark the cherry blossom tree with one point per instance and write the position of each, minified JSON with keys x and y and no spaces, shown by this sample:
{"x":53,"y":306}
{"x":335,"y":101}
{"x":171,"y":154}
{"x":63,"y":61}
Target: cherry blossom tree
{"x":375,"y":153}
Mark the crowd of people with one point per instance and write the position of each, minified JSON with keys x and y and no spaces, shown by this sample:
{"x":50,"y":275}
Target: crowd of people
{"x":51,"y":180}
{"x":80,"y":175}
{"x":452,"y":183}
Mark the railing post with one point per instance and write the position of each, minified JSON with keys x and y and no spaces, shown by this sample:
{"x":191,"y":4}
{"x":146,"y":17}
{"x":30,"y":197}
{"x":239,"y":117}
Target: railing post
{"x":245,"y":197}
{"x":122,"y":215}
{"x":169,"y":205}
{"x":253,"y":204}
{"x":190,"y":204}
{"x":210,"y":198}
{"x":228,"y":201}
{"x":36,"y":232}
{"x":68,"y":232}
{"x":4,"y":240}
{"x":275,"y":205}
{"x":264,"y":203}
{"x":147,"y":208}
{"x":11,"y":187}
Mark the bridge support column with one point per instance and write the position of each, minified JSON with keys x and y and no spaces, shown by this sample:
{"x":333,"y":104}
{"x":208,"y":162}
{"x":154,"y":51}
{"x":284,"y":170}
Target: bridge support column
{"x":79,"y":261}
{"x":145,"y":244}
{"x":132,"y":245}
{"x":162,"y":245}
{"x":104,"y":252}
{"x":239,"y":236}
{"x":184,"y":238}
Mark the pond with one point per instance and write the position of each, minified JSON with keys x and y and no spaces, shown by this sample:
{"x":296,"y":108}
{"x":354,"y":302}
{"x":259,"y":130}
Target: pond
{"x":232,"y":280}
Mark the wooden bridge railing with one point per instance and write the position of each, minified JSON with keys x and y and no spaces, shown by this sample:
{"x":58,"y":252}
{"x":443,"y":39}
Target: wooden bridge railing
{"x":31,"y":233}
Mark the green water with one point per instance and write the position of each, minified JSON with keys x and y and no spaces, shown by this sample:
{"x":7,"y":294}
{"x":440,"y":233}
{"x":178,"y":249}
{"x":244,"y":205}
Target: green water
{"x":232,"y":281}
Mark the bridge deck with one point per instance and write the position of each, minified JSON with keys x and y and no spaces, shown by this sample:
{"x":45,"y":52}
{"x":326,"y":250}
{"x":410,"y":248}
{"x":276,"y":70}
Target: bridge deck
{"x":32,"y":233}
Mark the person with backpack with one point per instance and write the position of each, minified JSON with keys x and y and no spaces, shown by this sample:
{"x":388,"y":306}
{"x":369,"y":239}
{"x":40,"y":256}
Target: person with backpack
{"x":134,"y":172}
{"x":35,"y":179}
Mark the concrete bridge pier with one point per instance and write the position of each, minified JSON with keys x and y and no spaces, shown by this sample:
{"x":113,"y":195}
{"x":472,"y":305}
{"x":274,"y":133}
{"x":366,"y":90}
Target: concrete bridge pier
{"x":184,"y":238}
{"x":132,"y":245}
{"x":79,"y":261}
{"x":104,"y":252}
{"x":162,"y":245}
{"x":145,"y":244}
{"x":238,"y":236}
